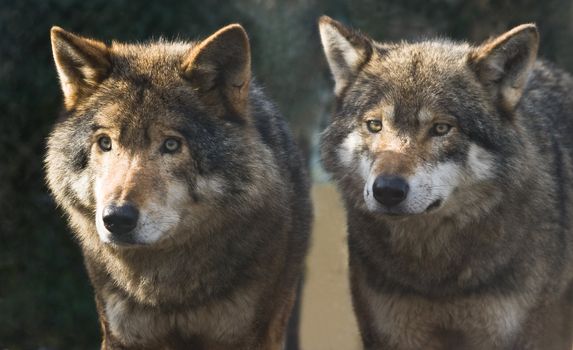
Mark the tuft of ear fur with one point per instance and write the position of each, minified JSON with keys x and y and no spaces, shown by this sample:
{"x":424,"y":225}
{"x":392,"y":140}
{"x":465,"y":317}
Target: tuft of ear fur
{"x":220,"y":68}
{"x":81,"y":63}
{"x":503,"y":64}
{"x":346,"y":51}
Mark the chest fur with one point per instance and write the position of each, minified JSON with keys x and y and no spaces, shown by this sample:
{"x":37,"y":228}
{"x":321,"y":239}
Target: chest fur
{"x":477,"y":322}
{"x":223,"y":320}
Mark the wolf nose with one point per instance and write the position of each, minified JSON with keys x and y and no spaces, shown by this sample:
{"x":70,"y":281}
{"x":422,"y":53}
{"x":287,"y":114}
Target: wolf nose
{"x":120,"y":219}
{"x":390,"y":190}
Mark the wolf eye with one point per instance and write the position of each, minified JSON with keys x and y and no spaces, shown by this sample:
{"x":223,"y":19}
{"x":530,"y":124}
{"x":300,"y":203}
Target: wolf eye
{"x":171,"y":145}
{"x":104,"y":143}
{"x":440,"y":129}
{"x":374,"y":125}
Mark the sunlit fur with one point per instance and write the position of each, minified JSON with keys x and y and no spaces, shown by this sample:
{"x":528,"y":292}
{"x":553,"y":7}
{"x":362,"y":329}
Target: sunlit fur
{"x":217,"y":254}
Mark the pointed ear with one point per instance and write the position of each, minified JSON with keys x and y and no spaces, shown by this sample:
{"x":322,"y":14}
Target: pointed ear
{"x":503,"y":64}
{"x":220,"y":68}
{"x":81,"y":63}
{"x":346,"y":51}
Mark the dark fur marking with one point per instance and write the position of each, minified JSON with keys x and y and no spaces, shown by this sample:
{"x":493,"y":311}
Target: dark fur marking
{"x":265,"y":131}
{"x":562,"y":195}
{"x":71,"y":194}
{"x":78,"y":145}
{"x":80,"y":160}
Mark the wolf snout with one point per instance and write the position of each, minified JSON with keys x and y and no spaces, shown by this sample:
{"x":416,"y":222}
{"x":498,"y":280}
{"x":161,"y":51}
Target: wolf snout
{"x":390,"y":190}
{"x":120,"y":220}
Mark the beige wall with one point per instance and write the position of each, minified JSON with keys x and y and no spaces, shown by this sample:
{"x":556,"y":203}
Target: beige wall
{"x":327,"y":319}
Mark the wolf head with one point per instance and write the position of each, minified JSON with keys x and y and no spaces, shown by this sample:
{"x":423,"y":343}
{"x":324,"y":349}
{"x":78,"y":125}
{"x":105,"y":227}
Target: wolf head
{"x":156,"y":138}
{"x":421,"y":126}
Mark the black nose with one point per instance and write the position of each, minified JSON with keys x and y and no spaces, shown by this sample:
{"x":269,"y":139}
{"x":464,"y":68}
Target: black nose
{"x":390,"y":190}
{"x":120,"y":219}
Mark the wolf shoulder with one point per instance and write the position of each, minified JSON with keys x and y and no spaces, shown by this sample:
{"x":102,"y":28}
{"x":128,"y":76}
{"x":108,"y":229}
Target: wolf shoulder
{"x":548,"y":98}
{"x":274,"y":132}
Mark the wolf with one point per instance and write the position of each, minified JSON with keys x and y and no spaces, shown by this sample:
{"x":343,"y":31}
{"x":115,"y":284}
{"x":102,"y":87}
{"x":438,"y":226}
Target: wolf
{"x":455,"y":163}
{"x":184,"y":188}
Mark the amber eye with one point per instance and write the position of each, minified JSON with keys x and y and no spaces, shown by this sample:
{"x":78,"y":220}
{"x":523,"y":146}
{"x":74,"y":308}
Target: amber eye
{"x":104,"y":143}
{"x":374,"y":125}
{"x":171,"y":145}
{"x":440,"y":129}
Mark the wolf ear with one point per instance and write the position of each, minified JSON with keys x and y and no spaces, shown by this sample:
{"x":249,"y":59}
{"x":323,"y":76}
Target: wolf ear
{"x":503,"y":64}
{"x":346,"y":51}
{"x":220,"y":67}
{"x":81,"y":63}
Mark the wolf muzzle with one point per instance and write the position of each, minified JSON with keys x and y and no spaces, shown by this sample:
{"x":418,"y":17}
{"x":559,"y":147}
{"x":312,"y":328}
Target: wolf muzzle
{"x":390,"y":190}
{"x":120,"y":220}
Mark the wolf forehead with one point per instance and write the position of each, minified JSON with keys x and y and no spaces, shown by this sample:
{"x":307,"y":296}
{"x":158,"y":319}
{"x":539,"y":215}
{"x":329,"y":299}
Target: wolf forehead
{"x":417,"y":74}
{"x":157,"y":61}
{"x":419,"y":61}
{"x":144,"y":89}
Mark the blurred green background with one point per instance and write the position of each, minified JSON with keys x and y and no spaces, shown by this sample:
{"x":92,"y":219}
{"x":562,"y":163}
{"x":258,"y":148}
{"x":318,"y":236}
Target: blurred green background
{"x":45,"y":298}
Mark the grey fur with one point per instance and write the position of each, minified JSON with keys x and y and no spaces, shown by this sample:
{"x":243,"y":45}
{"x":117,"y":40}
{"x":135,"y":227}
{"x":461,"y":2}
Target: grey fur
{"x":491,"y":268}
